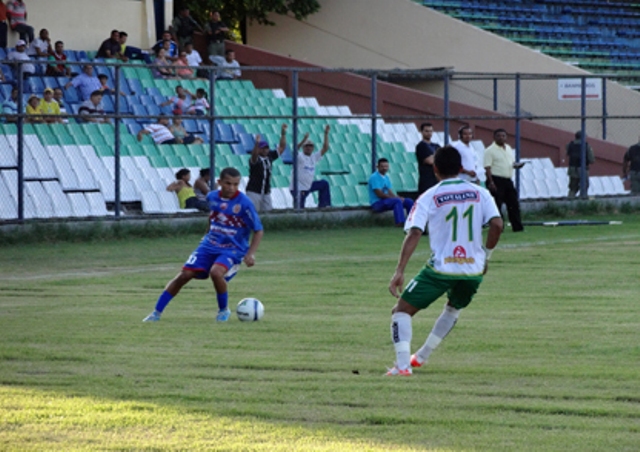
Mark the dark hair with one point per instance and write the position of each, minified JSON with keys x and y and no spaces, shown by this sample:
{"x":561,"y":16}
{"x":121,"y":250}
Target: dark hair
{"x":167,"y":31}
{"x":58,"y":42}
{"x":115,"y":31}
{"x":228,"y":51}
{"x":102,"y":76}
{"x":229,"y":171}
{"x":204,"y":172}
{"x":462,"y":129}
{"x":448,"y":161}
{"x":201,"y":91}
{"x":578,"y":134}
{"x":181,"y":173}
{"x":123,"y":33}
{"x":96,"y":93}
{"x":382,"y":160}
{"x":497,"y":131}
{"x":425,"y":124}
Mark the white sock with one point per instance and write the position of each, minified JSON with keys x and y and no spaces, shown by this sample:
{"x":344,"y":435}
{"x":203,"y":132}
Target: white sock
{"x":441,"y":328}
{"x":401,"y":337}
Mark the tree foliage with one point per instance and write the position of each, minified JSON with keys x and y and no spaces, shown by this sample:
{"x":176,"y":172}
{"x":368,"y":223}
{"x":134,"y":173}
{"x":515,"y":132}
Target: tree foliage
{"x":237,"y":13}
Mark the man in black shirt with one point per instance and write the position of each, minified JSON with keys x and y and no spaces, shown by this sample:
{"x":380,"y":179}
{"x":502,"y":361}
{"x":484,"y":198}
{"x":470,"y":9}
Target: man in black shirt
{"x":216,"y":32}
{"x":110,"y":48}
{"x":574,"y":153}
{"x":424,"y":154}
{"x":259,"y":185}
{"x":631,"y":167}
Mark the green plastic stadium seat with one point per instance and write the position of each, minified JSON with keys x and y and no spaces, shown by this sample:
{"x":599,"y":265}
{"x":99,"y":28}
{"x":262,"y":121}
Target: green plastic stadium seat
{"x":174,"y":161}
{"x":190,"y":161}
{"x":104,"y":150}
{"x":158,"y":161}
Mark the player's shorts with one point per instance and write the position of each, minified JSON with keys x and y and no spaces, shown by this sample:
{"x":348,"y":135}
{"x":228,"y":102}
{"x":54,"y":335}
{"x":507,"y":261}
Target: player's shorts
{"x":202,"y":259}
{"x":428,"y":285}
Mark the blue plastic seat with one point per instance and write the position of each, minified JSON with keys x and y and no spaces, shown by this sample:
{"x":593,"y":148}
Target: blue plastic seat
{"x":139,"y":110}
{"x":71,"y":95}
{"x":247,"y":140}
{"x":237,"y":129}
{"x":224,"y":133}
{"x":50,"y":82}
{"x":135,"y":86}
{"x":146,"y":99}
{"x":154,"y":110}
{"x":153,"y":91}
{"x":134,"y":128}
{"x":107,"y":103}
{"x":35,"y":85}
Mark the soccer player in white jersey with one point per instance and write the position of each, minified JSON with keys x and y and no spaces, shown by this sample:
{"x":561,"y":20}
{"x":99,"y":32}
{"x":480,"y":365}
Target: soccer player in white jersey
{"x":455,"y":212}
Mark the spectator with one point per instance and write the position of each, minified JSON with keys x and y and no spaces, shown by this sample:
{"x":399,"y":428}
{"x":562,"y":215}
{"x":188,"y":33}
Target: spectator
{"x":183,"y":70}
{"x":19,"y":54}
{"x":59,"y":98}
{"x":3,"y":25}
{"x":194,"y":59}
{"x":425,"y":151}
{"x":216,"y":32}
{"x":260,"y":163}
{"x":383,"y":198}
{"x":499,"y":163}
{"x":306,"y":166}
{"x":86,"y":82}
{"x":10,"y":107}
{"x":184,"y":26}
{"x":41,"y":46}
{"x":159,"y":132}
{"x":168,"y":44}
{"x":200,"y":105}
{"x":162,"y":67}
{"x":33,"y":110}
{"x":181,"y":102}
{"x":3,"y":79}
{"x":631,"y":167}
{"x":231,"y":68}
{"x":48,"y":106}
{"x":467,"y":153}
{"x":201,"y":185}
{"x":181,"y":135}
{"x":58,"y":56}
{"x":17,"y":14}
{"x":185,"y":192}
{"x":574,"y":151}
{"x":110,"y":48}
{"x":130,"y":52}
{"x":105,"y":89}
{"x":92,"y":109}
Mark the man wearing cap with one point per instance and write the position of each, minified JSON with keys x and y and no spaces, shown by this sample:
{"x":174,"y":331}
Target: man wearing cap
{"x":260,"y":162}
{"x":306,"y":166}
{"x":19,"y":54}
{"x":17,"y":14}
{"x":86,"y":82}
{"x":48,"y":106}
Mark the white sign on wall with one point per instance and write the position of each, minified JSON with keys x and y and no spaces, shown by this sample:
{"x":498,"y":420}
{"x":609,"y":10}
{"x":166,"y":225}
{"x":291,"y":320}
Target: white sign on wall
{"x":571,"y":89}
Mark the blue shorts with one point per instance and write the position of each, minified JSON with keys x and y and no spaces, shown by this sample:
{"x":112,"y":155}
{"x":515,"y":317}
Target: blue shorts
{"x":203,"y":258}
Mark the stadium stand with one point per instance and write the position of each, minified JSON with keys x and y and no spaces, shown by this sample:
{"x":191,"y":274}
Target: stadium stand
{"x":598,"y":36}
{"x":69,"y":168}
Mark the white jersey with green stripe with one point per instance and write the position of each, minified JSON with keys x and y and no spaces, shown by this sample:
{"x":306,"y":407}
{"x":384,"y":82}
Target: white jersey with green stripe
{"x":454,"y":211}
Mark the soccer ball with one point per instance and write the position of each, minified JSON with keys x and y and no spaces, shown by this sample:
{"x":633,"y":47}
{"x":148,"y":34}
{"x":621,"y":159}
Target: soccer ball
{"x":250,"y":310}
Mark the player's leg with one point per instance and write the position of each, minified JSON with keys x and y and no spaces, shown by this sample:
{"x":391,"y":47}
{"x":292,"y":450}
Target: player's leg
{"x":223,"y":269}
{"x":460,"y":295}
{"x":267,"y":204}
{"x":513,"y":206}
{"x":324,"y":194}
{"x":170,"y":291}
{"x":419,"y":293}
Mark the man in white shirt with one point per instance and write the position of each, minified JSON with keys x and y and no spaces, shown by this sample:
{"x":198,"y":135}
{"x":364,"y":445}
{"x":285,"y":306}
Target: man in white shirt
{"x":455,"y":211}
{"x":306,"y":165}
{"x":159,"y":132}
{"x":41,"y":46}
{"x":232,"y":67}
{"x":19,"y":54}
{"x":469,"y":170}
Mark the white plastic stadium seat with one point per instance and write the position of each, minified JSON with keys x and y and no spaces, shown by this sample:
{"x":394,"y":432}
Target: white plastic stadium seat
{"x":8,"y":154}
{"x":79,"y":205}
{"x":60,"y":201}
{"x":97,"y":204}
{"x":8,"y":205}
{"x":40,"y":198}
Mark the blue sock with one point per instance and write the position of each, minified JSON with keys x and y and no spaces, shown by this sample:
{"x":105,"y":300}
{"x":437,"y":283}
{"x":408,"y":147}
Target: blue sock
{"x":223,"y":300}
{"x":163,"y":301}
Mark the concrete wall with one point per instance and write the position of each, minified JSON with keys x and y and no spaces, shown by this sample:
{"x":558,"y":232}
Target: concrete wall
{"x":84,"y":24}
{"x":389,"y":34}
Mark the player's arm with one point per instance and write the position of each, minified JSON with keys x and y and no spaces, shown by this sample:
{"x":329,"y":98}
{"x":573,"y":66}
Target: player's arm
{"x":626,"y":164}
{"x":325,"y":144}
{"x":495,"y":230}
{"x":408,"y":247}
{"x":428,"y":160}
{"x":256,"y":148}
{"x":490,"y":184}
{"x":142,"y":133}
{"x":175,"y":186}
{"x":250,"y":258}
{"x":283,"y":139}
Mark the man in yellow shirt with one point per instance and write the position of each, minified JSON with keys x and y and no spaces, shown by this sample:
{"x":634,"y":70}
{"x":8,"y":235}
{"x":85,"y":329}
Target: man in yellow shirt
{"x":48,"y":106}
{"x":499,"y":163}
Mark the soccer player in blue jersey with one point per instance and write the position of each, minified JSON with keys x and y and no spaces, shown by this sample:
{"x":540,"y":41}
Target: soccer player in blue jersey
{"x":223,"y":248}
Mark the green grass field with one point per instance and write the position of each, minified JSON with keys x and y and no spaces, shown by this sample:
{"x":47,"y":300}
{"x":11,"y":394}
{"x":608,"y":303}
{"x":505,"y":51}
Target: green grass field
{"x":544,"y":359}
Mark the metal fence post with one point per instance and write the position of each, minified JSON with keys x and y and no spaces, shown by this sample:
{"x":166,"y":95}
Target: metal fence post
{"x":374,"y":121}
{"x":446,"y":108}
{"x":294,"y":151}
{"x":517,"y":138}
{"x":604,"y":108}
{"x":495,"y":94}
{"x":20,"y":130}
{"x":212,"y":129}
{"x":583,"y":144}
{"x":116,"y":144}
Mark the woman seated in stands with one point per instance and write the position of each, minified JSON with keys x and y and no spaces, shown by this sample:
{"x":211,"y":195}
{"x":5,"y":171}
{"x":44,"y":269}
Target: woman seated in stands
{"x":181,"y":135}
{"x":185,"y":192}
{"x":184,"y":71}
{"x":162,"y":69}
